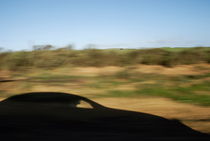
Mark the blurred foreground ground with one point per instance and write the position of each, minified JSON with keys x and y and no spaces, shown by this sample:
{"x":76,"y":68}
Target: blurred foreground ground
{"x":194,"y":116}
{"x":181,"y":92}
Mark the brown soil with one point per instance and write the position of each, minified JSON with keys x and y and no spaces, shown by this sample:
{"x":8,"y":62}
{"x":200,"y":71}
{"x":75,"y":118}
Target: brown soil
{"x":157,"y":69}
{"x":94,"y":71}
{"x":177,"y":70}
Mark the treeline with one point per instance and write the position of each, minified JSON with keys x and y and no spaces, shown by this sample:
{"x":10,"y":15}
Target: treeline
{"x":53,"y":58}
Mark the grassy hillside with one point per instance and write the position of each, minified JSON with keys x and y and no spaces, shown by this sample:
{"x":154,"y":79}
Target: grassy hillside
{"x":48,"y":59}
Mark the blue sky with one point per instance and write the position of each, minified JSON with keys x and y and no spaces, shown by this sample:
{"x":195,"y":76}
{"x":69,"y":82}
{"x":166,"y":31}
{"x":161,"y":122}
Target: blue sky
{"x":106,"y":23}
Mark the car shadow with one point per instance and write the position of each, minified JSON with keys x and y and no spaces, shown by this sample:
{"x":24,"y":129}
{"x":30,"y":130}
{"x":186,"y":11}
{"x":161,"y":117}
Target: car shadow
{"x":55,"y":116}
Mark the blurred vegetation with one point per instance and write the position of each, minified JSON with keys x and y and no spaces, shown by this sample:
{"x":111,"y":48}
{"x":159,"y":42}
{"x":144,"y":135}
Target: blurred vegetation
{"x":49,"y":69}
{"x":47,"y":57}
{"x":190,"y":94}
{"x":193,"y":89}
{"x":126,"y":82}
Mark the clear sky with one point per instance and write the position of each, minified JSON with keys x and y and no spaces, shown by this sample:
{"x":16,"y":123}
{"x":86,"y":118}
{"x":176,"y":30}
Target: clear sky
{"x":106,"y":23}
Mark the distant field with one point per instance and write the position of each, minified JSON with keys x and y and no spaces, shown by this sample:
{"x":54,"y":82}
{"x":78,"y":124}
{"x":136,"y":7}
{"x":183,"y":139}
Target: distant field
{"x":179,"y":49}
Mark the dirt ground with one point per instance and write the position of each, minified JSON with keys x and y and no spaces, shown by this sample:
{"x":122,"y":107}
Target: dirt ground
{"x":195,"y":69}
{"x":194,"y":116}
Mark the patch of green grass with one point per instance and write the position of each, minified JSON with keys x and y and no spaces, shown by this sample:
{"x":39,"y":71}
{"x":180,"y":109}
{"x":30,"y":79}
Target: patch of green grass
{"x":177,"y":49}
{"x":4,"y":94}
{"x":105,"y":82}
{"x":26,"y":85}
{"x":50,"y":77}
{"x":182,"y":94}
{"x":16,"y":75}
{"x":95,"y":85}
{"x":125,"y":74}
{"x":114,"y":82}
{"x":140,"y":77}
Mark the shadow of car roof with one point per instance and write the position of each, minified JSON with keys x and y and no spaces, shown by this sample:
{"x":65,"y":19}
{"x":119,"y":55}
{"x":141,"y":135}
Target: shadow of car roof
{"x":32,"y":115}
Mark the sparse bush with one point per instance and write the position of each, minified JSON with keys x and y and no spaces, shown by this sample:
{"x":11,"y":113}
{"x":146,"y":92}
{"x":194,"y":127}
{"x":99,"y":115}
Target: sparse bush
{"x":17,"y":60}
{"x":98,"y":58}
{"x":123,"y":74}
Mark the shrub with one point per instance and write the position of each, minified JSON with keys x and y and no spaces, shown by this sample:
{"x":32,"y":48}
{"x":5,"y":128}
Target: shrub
{"x":17,"y":60}
{"x":95,"y":57}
